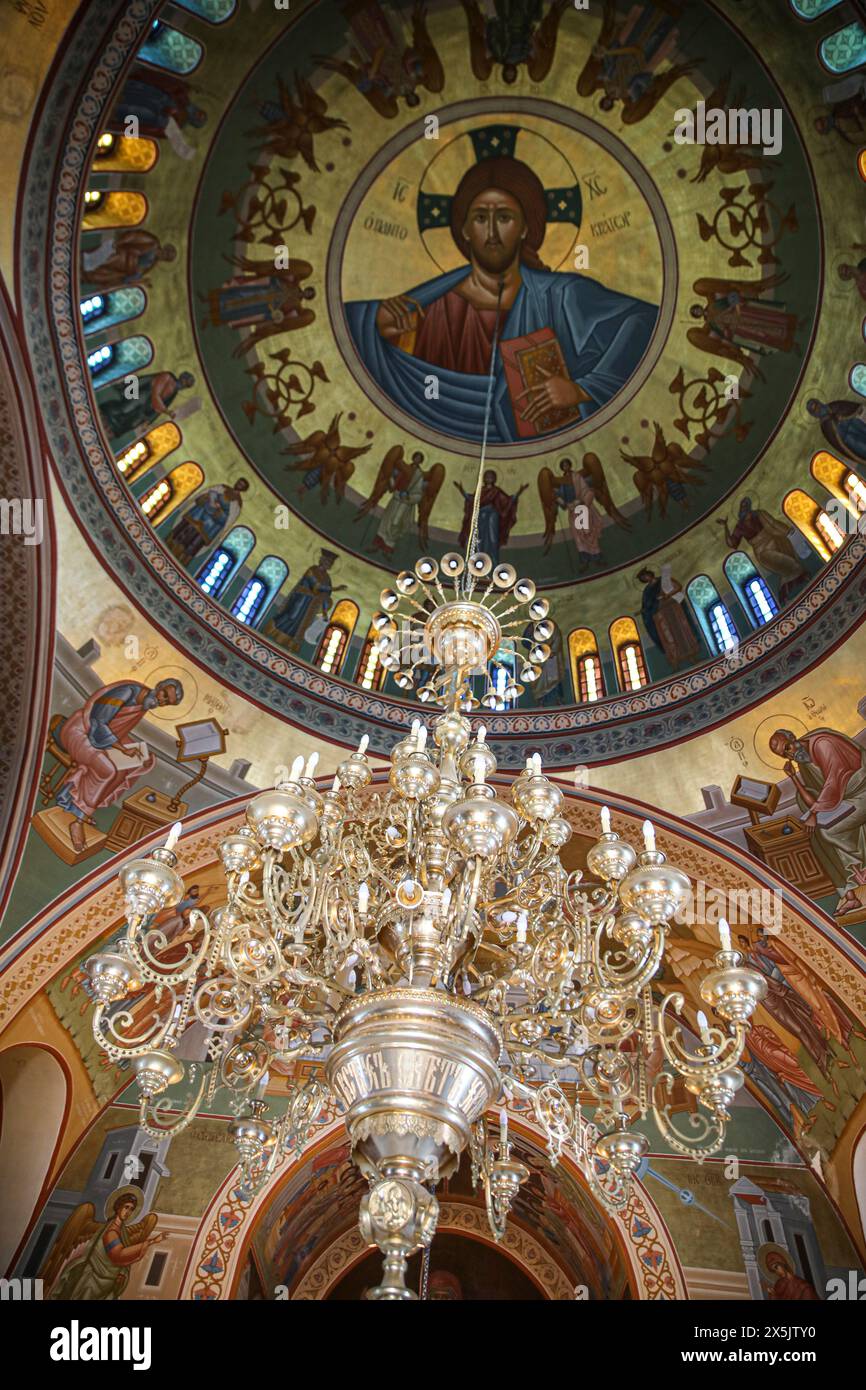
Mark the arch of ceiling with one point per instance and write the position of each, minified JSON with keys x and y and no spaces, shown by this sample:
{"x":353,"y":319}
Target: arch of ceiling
{"x":614,"y":727}
{"x":821,"y":961}
{"x":642,"y":1242}
{"x":26,"y":597}
{"x":348,"y":1249}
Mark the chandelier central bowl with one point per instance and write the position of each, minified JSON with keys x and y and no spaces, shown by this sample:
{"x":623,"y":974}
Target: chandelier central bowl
{"x":415,"y":1069}
{"x":463,"y":635}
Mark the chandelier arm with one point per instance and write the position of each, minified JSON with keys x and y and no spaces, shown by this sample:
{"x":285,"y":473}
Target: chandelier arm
{"x":153,"y":1105}
{"x":722,"y":1053}
{"x":138,"y":949}
{"x":708,"y":1129}
{"x":119,"y":1050}
{"x":641,"y":974}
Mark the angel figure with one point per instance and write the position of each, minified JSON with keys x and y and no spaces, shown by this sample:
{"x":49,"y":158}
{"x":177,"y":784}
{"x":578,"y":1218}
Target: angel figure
{"x":515,"y":35}
{"x":626,"y":55}
{"x":325,"y":460}
{"x":577,"y":494}
{"x":292,"y":123}
{"x":367,"y":77}
{"x":413,"y":492}
{"x":420,"y":60}
{"x":663,"y":473}
{"x":737,"y":324}
{"x":727,"y":158}
{"x":103,"y":1250}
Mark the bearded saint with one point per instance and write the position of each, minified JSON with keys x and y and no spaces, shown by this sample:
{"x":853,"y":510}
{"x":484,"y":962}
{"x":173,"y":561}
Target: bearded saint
{"x":446,"y":326}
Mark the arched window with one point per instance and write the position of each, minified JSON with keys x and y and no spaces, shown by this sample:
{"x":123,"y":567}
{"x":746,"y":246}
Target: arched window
{"x":844,"y":49}
{"x":840,"y":479}
{"x":751,"y":588}
{"x":170,"y":49}
{"x":218,"y":570}
{"x":154,"y":446}
{"x":587,"y":676}
{"x":92,"y":308}
{"x":114,"y":360}
{"x":155,"y":500}
{"x":628,"y":654}
{"x":100,"y":360}
{"x":819,"y":528}
{"x":119,"y":154}
{"x":159,"y":501}
{"x":101,"y":311}
{"x":713,"y":614}
{"x":811,"y":9}
{"x":371,"y":672}
{"x":112,"y":209}
{"x":334,"y":642}
{"x":256,"y":595}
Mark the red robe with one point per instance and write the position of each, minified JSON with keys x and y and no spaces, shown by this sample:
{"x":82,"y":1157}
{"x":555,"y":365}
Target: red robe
{"x":456,"y":335}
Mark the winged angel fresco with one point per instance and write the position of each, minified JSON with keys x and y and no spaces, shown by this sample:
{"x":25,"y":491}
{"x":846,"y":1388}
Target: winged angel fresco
{"x":91,"y":1259}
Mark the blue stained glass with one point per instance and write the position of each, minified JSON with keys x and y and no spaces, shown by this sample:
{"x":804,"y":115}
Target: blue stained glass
{"x":845,"y":49}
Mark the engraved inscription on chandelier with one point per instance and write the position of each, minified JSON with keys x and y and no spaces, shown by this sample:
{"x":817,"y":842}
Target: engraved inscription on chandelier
{"x":438,"y":1077}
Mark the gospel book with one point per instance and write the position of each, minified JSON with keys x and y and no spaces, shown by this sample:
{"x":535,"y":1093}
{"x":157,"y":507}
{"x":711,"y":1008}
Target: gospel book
{"x":530,"y":361}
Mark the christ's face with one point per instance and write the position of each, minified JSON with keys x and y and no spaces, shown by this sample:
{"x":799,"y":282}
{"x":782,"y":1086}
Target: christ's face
{"x":494,"y":227}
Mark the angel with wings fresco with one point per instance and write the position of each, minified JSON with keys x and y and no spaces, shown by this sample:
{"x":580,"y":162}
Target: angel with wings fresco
{"x":102,"y":1251}
{"x":325,"y":460}
{"x":577,"y":494}
{"x":627,"y":57}
{"x":293,"y":122}
{"x":413,"y":491}
{"x":664,"y":473}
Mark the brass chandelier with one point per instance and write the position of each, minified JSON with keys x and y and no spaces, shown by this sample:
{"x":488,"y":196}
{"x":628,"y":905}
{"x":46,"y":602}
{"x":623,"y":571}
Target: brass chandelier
{"x":425,"y":940}
{"x":427,"y":943}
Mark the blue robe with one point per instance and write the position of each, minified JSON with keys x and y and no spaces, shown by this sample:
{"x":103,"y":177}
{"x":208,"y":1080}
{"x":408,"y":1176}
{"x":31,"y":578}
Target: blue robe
{"x":603,"y":335}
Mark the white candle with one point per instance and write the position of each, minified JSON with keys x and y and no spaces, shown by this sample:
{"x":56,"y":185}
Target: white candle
{"x":605,"y":821}
{"x":336,"y":784}
{"x":529,"y":763}
{"x":478,"y":767}
{"x":503,"y":1126}
{"x":362,"y":746}
{"x":422,"y":738}
{"x":702,"y":1027}
{"x":312,"y":761}
{"x":416,"y":725}
{"x":296,"y":769}
{"x":649,"y":837}
{"x":482,"y":733}
{"x":173,"y":835}
{"x":536,"y":764}
{"x":724,"y":934}
{"x":363,"y":898}
{"x":521,"y":928}
{"x":263,"y":1085}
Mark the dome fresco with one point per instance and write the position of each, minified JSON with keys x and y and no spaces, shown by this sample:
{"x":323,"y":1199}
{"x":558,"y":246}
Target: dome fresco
{"x":310,"y":196}
{"x":248,"y":370}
